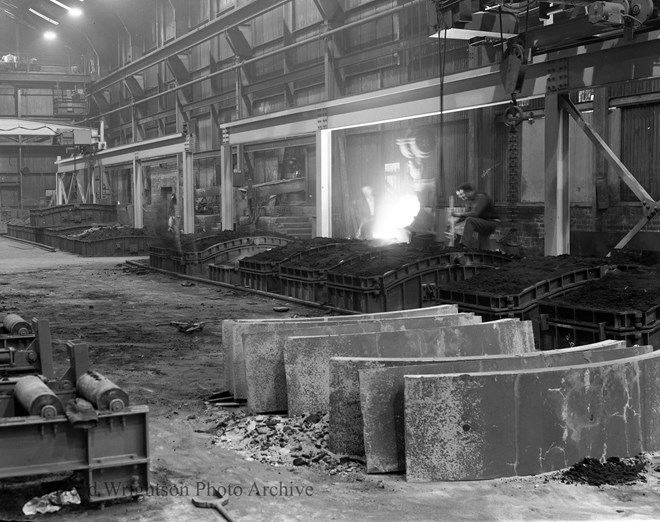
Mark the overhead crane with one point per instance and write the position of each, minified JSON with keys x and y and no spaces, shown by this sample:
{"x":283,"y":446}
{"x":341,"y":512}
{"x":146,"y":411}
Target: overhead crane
{"x":550,"y":49}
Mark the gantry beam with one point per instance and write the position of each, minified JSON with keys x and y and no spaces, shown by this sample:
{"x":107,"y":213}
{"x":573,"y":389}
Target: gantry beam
{"x":44,"y":77}
{"x":155,"y":148}
{"x":409,"y":101}
{"x":134,"y":154}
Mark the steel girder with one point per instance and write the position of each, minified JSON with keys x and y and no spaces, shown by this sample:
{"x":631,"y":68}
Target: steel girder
{"x":188,"y":40}
{"x":604,"y":63}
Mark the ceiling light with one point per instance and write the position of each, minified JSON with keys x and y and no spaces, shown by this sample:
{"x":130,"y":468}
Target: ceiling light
{"x":63,"y":6}
{"x":43,"y":16}
{"x":50,"y":35}
{"x":73,"y":11}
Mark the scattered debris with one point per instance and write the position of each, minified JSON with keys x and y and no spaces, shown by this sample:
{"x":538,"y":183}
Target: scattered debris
{"x":613,"y":471}
{"x":51,"y":502}
{"x":98,"y":232}
{"x":282,"y":441}
{"x":187,"y":327}
{"x":280,"y":308}
{"x":187,"y":283}
{"x":132,"y":269}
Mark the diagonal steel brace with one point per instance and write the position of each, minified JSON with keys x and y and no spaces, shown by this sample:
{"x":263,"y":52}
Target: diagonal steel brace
{"x":650,"y":206}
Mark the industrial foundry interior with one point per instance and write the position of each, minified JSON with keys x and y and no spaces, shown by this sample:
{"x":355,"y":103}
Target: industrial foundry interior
{"x":329,"y":260}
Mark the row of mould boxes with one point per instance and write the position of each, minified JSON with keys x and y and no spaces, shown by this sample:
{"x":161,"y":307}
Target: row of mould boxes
{"x":562,"y":318}
{"x":405,"y":287}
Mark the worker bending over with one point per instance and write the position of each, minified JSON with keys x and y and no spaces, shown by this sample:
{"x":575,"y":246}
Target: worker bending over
{"x":480,"y":216}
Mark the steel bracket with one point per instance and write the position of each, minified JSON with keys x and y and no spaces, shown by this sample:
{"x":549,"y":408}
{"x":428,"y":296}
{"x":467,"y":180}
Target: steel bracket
{"x":322,"y":119}
{"x":557,"y":76}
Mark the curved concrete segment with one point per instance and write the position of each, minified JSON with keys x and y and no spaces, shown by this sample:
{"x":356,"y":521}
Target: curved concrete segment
{"x":411,"y":312}
{"x":381,"y":385}
{"x":233,"y":331}
{"x":264,"y":352}
{"x":500,"y":424}
{"x":307,"y":359}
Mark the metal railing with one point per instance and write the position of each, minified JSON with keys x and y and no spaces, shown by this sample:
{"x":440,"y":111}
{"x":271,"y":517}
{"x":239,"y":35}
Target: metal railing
{"x":57,"y":64}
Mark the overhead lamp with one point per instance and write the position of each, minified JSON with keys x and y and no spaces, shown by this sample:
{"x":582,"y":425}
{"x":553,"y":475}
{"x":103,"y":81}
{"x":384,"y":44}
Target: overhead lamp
{"x":50,"y":35}
{"x":63,"y":6}
{"x":34,"y":11}
{"x":73,"y":11}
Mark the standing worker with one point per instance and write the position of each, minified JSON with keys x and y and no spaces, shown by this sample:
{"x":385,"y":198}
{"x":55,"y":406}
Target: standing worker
{"x":365,"y":208}
{"x":480,"y":216}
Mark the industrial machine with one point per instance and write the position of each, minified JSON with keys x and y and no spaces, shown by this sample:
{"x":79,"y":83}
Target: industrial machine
{"x":80,"y":423}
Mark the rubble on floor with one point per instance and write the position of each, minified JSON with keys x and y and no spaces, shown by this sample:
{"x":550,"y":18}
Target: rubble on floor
{"x":613,"y":471}
{"x":280,"y":440}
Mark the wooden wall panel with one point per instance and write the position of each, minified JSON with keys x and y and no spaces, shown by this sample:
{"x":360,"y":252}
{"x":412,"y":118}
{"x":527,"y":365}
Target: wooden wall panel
{"x":35,"y":186}
{"x":268,"y":27}
{"x":37,"y":102}
{"x":8,"y":163}
{"x":7,"y":101}
{"x":40,"y":164}
{"x":581,"y":162}
{"x":640,"y":151}
{"x":204,"y":170}
{"x":9,"y":196}
{"x":305,"y":14}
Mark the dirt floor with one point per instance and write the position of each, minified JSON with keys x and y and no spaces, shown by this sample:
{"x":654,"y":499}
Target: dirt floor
{"x":120,"y":312}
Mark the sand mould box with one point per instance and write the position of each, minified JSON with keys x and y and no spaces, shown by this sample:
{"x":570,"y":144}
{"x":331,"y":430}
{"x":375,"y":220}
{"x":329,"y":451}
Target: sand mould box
{"x":100,"y":233}
{"x":279,"y":254}
{"x":332,"y":257}
{"x":386,"y":259}
{"x":523,"y":273}
{"x":637,"y":289}
{"x":198,"y":242}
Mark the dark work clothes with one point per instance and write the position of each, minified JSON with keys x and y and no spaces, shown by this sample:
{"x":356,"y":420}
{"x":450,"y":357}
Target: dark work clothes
{"x":481,"y":206}
{"x":480,"y":217}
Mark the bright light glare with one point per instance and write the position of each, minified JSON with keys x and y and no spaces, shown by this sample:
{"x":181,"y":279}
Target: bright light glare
{"x":74,"y":11}
{"x":41,"y":15}
{"x":401,"y":214}
{"x":50,"y":35}
{"x":63,"y":6}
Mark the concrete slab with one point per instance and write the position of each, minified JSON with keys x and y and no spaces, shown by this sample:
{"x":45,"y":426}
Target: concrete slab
{"x":381,"y":392}
{"x":500,"y":424}
{"x":307,"y":359}
{"x":264,"y":352}
{"x":232,"y":331}
{"x":412,"y":312}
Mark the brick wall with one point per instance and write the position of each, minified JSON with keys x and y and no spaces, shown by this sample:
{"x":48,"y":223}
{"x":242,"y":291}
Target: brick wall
{"x":523,"y":224}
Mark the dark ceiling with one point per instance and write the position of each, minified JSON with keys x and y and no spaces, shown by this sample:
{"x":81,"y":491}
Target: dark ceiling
{"x":97,"y":27}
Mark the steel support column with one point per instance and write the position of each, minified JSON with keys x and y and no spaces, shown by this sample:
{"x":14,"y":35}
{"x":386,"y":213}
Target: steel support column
{"x":226,"y":188}
{"x":324,"y":183}
{"x":60,"y":191}
{"x":92,"y":174}
{"x":138,"y":216}
{"x":188,"y":189}
{"x":557,"y":185}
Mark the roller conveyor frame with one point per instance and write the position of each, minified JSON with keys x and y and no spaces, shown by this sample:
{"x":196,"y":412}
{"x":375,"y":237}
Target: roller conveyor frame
{"x":112,"y":458}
